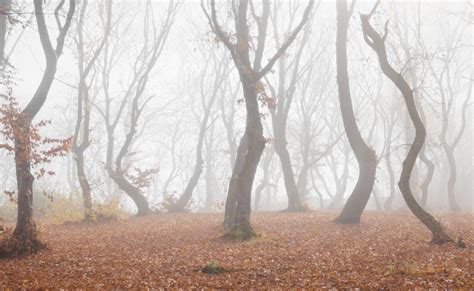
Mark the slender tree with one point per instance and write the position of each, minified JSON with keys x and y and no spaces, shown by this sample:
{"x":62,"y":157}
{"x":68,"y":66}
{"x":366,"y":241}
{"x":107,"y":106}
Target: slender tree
{"x":81,"y":139}
{"x":377,"y":43}
{"x":220,"y":72}
{"x":149,"y":53}
{"x":366,"y":157}
{"x":284,"y":93}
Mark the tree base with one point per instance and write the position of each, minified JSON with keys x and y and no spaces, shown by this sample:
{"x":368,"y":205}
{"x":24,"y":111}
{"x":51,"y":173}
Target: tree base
{"x":346,"y":220}
{"x":240,"y":233}
{"x":12,"y":247}
{"x":298,"y":208}
{"x":441,"y":238}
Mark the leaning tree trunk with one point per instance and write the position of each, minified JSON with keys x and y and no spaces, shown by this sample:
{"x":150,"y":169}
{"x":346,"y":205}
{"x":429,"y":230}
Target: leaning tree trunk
{"x":377,"y":43}
{"x":133,"y":192}
{"x":185,"y":198}
{"x":366,"y":157}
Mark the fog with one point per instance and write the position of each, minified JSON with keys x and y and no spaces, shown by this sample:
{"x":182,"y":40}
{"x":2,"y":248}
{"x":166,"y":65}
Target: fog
{"x":175,"y":107}
{"x":236,"y":144}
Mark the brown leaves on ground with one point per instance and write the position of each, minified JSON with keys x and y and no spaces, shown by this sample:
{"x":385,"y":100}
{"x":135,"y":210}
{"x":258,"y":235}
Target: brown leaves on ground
{"x":293,"y":250}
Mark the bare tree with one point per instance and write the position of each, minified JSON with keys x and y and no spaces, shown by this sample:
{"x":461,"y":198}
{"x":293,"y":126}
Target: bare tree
{"x":449,"y":89}
{"x":365,"y":155}
{"x":284,"y":94}
{"x":144,"y":63}
{"x":220,"y":72}
{"x":81,"y":140}
{"x":238,"y":204}
{"x":377,"y":43}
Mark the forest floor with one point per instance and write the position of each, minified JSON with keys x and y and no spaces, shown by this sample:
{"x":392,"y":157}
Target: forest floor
{"x":292,"y":250}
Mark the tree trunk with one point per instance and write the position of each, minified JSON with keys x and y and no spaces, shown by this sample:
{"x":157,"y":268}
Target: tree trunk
{"x":377,"y":43}
{"x":185,"y":198}
{"x":365,"y":155}
{"x":133,"y":192}
{"x":391,"y":175}
{"x":429,"y":176}
{"x":3,"y":36}
{"x":249,"y":153}
{"x":25,"y":234}
{"x":294,"y":201}
{"x":378,"y":205}
{"x":453,"y":205}
{"x":85,"y":186}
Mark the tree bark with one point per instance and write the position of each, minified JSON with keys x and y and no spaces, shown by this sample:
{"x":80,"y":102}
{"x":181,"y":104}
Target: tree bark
{"x":252,"y":144}
{"x":25,"y":231}
{"x":377,"y":43}
{"x":366,"y":157}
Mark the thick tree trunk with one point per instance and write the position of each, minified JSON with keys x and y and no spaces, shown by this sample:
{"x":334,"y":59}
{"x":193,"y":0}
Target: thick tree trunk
{"x":365,"y":155}
{"x":25,"y":238}
{"x":248,"y":156}
{"x":377,"y":43}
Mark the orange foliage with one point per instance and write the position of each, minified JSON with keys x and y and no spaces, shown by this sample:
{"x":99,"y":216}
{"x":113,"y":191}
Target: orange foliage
{"x":15,"y":127}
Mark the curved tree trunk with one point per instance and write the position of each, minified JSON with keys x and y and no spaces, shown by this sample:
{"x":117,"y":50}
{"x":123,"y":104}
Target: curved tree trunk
{"x":185,"y":198}
{"x":81,"y":140}
{"x":429,"y":176}
{"x":24,"y":238}
{"x":377,"y":43}
{"x":453,"y":205}
{"x":365,"y":155}
{"x":133,"y":192}
{"x":294,"y":201}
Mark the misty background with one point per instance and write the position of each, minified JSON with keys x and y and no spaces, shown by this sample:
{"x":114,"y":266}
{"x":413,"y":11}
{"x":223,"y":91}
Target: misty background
{"x":433,"y":39}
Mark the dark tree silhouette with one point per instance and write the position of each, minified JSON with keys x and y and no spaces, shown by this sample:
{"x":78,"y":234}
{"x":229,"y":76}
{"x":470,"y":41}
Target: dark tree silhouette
{"x":238,"y":203}
{"x":377,"y":43}
{"x":365,"y":155}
